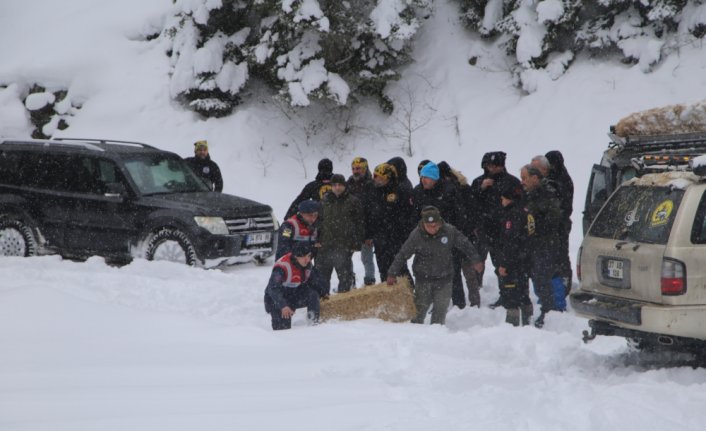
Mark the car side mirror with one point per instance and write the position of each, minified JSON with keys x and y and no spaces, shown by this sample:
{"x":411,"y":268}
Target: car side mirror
{"x":115,"y":190}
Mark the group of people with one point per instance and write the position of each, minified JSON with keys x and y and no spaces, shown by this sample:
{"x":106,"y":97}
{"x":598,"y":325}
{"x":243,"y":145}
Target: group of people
{"x":447,"y":224}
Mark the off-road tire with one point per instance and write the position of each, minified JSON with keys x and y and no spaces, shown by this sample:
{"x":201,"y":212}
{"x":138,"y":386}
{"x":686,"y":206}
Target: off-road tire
{"x":171,"y":245}
{"x":16,"y":238}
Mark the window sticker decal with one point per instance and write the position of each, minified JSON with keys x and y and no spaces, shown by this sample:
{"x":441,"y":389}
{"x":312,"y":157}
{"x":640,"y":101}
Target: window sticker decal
{"x":631,"y":217}
{"x":660,"y":216}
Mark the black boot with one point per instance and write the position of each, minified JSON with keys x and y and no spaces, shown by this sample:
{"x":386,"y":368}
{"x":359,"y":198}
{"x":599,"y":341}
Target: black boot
{"x":512,"y":316}
{"x":526,"y":314}
{"x":539,"y":323}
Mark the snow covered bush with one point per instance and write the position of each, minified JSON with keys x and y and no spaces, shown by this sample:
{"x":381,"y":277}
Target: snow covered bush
{"x":302,"y":49}
{"x":543,"y":37}
{"x":49,"y":110}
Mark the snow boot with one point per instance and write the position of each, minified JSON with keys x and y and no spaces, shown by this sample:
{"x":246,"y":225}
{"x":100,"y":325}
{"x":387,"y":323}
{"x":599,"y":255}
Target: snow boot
{"x":512,"y":316}
{"x":526,"y":314}
{"x":473,"y":297}
{"x":539,"y":323}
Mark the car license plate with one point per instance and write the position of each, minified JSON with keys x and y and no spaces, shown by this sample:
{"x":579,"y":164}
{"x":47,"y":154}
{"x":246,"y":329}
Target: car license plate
{"x":615,"y":268}
{"x":258,"y":238}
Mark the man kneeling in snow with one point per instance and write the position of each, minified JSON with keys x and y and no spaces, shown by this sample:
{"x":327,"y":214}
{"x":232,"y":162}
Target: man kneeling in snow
{"x":432,"y":243}
{"x":294,"y":283}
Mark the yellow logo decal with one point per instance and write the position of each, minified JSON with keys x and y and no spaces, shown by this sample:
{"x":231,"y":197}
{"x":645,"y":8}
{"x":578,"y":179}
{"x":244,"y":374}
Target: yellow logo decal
{"x":660,"y":215}
{"x":530,"y":225}
{"x":392,"y":197}
{"x":286,"y":233}
{"x":323,"y":190}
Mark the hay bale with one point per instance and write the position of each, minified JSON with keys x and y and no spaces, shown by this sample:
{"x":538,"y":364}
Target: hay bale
{"x":666,"y":120}
{"x":391,"y":303}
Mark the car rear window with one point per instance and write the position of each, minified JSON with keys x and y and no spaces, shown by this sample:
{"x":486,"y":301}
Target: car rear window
{"x":638,"y":213}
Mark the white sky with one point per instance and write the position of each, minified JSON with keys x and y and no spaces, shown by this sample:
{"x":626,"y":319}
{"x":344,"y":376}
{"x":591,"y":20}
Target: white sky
{"x":155,"y":346}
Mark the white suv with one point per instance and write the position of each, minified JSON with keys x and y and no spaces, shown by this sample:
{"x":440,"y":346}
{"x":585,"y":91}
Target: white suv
{"x":642,"y":264}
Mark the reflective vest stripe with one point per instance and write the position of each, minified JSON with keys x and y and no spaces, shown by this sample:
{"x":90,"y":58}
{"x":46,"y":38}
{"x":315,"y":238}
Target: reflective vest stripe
{"x":294,"y":276}
{"x":301,"y":233}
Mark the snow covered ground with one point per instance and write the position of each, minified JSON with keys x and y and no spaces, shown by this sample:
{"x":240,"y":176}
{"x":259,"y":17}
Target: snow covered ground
{"x":155,"y":346}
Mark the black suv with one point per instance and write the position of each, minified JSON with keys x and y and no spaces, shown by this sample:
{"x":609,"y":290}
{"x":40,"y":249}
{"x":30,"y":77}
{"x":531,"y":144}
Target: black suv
{"x":120,"y":200}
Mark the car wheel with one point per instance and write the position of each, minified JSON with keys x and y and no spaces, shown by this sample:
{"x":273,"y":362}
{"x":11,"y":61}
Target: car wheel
{"x":171,"y":245}
{"x":16,"y":238}
{"x":260,"y":260}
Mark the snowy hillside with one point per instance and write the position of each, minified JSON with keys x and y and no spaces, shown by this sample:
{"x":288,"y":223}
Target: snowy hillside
{"x":154,"y":346}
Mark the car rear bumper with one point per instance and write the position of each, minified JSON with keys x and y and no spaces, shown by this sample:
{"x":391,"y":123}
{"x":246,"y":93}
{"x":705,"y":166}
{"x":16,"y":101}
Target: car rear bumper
{"x":642,"y":317}
{"x":592,"y":306}
{"x":599,"y":327}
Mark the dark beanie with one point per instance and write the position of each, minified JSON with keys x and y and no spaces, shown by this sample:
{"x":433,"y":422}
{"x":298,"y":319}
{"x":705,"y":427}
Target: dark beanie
{"x":511,"y":191}
{"x":325,"y":170}
{"x":496,"y":158}
{"x":430,"y":214}
{"x":309,"y":206}
{"x":325,"y":166}
{"x":338,"y":179}
{"x":301,"y":248}
{"x":556,"y":159}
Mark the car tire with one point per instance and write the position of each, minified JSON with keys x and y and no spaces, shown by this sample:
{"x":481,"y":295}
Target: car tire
{"x":260,"y":260}
{"x":171,"y":245}
{"x":16,"y":238}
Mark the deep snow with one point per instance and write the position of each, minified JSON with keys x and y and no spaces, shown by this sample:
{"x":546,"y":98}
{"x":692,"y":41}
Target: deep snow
{"x":155,"y":346}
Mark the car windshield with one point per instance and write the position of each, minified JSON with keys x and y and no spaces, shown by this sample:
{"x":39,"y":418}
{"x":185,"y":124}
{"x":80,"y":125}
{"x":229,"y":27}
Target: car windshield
{"x":160,"y":173}
{"x":639,"y":214}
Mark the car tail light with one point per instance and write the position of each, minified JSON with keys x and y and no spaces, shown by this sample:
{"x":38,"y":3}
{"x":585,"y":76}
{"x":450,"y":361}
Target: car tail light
{"x":578,"y":264}
{"x":673,"y":277}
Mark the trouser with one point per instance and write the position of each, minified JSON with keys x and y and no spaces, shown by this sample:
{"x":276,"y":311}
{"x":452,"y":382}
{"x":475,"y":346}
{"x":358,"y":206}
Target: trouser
{"x":301,"y":297}
{"x":366,"y":256}
{"x":514,"y":291}
{"x":342,"y":261}
{"x":436,"y":293}
{"x":485,"y":245}
{"x":472,"y":283}
{"x":541,"y":272}
{"x":385,"y":252}
{"x":564,"y":259}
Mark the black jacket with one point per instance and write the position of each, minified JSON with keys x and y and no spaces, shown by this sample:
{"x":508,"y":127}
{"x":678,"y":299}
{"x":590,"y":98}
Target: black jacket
{"x":295,"y":229}
{"x":208,"y":170}
{"x":278,"y":294}
{"x":443,"y":196}
{"x":314,"y":190}
{"x":544,"y":219}
{"x":362,"y":189}
{"x":390,"y":214}
{"x":402,"y":179}
{"x":487,"y":202}
{"x":512,"y":247}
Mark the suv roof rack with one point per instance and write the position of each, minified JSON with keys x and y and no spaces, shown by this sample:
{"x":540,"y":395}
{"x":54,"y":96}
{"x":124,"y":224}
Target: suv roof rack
{"x":681,"y":141}
{"x":105,"y":141}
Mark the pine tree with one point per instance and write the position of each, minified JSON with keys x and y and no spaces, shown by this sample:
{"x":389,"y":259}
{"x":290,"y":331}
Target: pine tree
{"x":302,"y":49}
{"x":544,"y":37}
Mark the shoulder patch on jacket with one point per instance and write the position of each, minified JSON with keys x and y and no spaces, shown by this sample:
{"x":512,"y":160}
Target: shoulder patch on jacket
{"x":287,"y":232}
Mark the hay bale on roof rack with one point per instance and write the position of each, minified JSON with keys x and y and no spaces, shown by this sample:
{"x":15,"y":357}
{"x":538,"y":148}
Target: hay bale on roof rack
{"x":391,"y":303}
{"x":667,"y":120}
